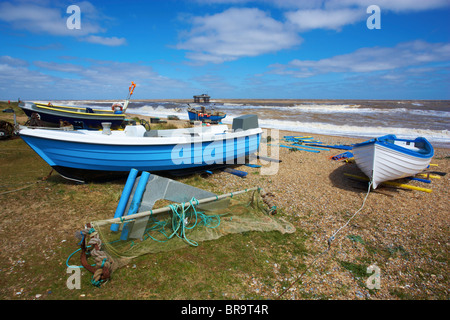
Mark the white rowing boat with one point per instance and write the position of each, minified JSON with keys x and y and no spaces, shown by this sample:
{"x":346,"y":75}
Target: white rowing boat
{"x":389,"y":158}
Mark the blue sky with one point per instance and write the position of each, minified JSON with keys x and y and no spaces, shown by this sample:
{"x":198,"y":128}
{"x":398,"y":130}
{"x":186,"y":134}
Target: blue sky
{"x":241,"y":49}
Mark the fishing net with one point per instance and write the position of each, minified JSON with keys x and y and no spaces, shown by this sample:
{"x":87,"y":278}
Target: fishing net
{"x":175,"y":226}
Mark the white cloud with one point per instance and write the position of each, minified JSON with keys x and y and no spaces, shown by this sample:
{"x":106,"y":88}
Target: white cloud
{"x":324,"y":19}
{"x":107,"y":41}
{"x":60,"y":67}
{"x":397,"y":5}
{"x":367,"y":60}
{"x":236,"y":33}
{"x":94,"y":79}
{"x":41,"y":19}
{"x":16,"y":78}
{"x":248,"y":32}
{"x":7,"y":60}
{"x":110,"y":75}
{"x":394,"y":5}
{"x":215,"y":83}
{"x":335,"y":14}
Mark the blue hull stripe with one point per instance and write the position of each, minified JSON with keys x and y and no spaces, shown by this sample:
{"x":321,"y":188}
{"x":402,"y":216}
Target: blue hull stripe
{"x":143,"y":158}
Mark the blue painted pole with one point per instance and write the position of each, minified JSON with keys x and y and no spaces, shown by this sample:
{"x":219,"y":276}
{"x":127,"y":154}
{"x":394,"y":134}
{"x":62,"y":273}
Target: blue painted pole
{"x":298,"y":148}
{"x":309,"y":147}
{"x":253,"y":165}
{"x":124,"y":197}
{"x":135,"y":203}
{"x":419,"y":179}
{"x":238,"y":173}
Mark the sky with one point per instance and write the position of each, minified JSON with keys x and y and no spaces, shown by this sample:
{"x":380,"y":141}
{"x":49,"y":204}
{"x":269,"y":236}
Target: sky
{"x":235,"y":49}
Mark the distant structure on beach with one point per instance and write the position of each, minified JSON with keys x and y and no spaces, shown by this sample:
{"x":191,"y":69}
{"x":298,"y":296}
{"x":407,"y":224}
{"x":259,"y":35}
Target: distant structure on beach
{"x":204,"y":98}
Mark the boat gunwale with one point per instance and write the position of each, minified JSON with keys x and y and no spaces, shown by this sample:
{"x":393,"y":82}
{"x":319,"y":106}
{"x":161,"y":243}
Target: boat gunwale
{"x":98,"y":114}
{"x":123,"y":140}
{"x":384,"y":141}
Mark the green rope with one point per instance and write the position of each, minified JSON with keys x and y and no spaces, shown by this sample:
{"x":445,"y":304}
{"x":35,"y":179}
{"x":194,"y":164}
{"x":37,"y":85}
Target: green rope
{"x":70,"y":256}
{"x":184,"y":218}
{"x":181,"y":219}
{"x":97,"y":283}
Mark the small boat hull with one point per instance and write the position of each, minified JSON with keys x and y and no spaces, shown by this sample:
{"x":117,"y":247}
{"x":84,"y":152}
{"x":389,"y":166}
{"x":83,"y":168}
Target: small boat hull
{"x":79,"y":117}
{"x":205,"y":116}
{"x":388,"y":158}
{"x":83,"y":154}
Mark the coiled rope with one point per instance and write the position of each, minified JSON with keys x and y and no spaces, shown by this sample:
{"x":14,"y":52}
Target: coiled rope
{"x":184,"y":217}
{"x":104,"y":264}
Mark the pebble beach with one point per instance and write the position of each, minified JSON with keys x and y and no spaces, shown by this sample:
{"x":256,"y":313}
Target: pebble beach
{"x":404,"y":232}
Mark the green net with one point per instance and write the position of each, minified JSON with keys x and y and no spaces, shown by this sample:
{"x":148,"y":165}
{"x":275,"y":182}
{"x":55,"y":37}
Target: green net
{"x":188,"y":225}
{"x":182,"y":225}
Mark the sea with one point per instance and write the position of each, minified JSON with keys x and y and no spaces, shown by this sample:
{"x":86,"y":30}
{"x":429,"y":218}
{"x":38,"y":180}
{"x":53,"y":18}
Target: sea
{"x":349,"y":118}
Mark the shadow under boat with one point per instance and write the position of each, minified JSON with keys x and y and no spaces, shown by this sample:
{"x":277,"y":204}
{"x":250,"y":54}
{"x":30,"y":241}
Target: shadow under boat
{"x":86,"y":176}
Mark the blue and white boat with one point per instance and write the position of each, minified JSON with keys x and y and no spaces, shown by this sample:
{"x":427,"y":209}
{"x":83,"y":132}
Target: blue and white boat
{"x":203,"y":115}
{"x":85,"y":155}
{"x":389,"y":158}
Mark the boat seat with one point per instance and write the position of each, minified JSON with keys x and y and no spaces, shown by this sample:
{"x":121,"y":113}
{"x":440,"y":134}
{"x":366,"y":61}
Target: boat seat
{"x":134,"y":131}
{"x":245,"y":122}
{"x":89,"y":110}
{"x":151,"y":133}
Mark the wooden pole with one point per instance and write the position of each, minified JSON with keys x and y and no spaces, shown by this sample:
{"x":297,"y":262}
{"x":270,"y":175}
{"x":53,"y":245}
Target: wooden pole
{"x":167,"y":208}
